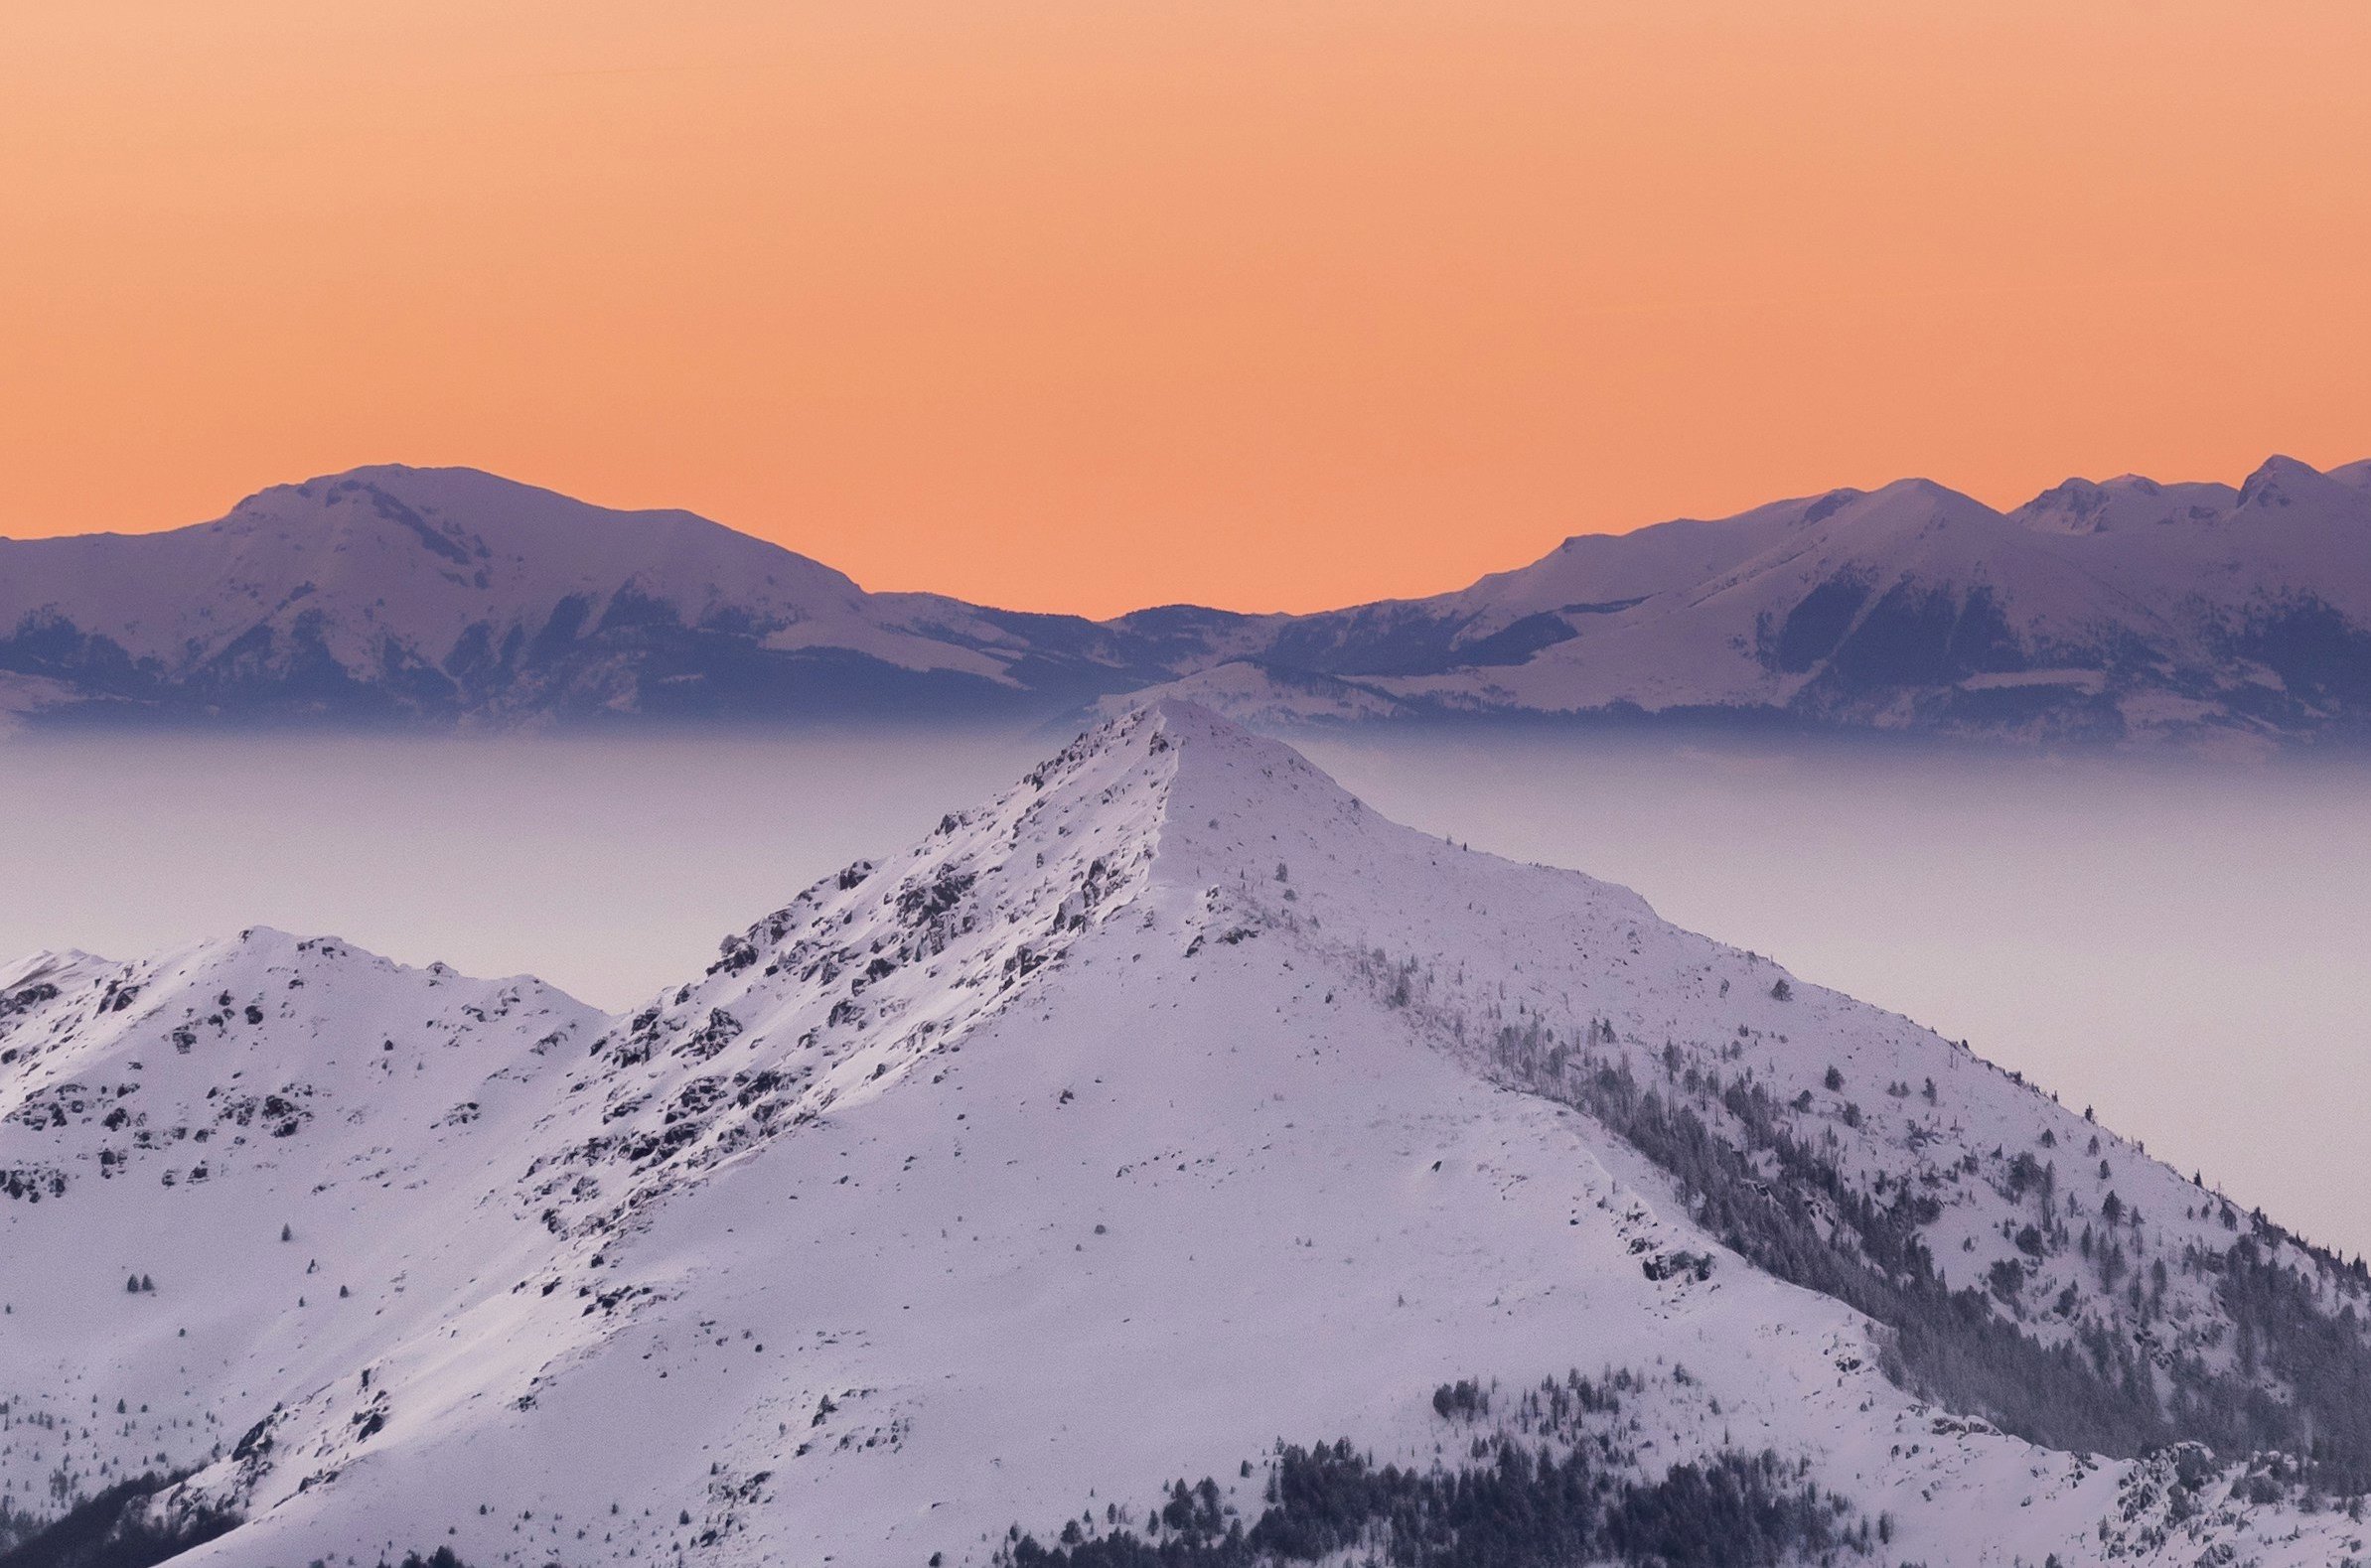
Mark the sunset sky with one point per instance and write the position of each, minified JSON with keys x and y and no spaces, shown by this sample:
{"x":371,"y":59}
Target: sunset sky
{"x":1089,"y":304}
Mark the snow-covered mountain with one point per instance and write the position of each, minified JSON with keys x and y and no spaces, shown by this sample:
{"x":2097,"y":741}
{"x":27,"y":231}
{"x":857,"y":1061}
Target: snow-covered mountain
{"x":2123,"y":612}
{"x":2126,"y":612}
{"x":1163,"y":1120}
{"x":393,"y":593}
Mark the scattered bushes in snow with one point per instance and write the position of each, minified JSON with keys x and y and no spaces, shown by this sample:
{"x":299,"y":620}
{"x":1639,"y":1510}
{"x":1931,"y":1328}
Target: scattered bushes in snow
{"x":1465,"y":1399}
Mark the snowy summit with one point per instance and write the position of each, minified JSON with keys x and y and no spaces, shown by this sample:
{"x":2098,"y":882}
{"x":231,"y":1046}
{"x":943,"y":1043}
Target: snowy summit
{"x":1073,"y":1182}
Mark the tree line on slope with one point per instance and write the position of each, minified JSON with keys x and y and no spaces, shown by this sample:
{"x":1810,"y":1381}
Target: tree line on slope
{"x":112,"y":1529}
{"x":1954,"y":1347}
{"x":1512,"y":1507}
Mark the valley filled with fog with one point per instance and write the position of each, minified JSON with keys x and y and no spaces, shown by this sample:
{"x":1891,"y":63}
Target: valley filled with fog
{"x":2179,"y":945}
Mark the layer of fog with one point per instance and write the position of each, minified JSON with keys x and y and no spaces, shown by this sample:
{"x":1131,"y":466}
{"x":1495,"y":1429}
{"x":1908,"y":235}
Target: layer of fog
{"x":2183,"y":948}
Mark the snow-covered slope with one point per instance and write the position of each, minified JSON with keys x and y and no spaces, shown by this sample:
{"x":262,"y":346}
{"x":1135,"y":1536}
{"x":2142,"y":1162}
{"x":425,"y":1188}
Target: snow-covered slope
{"x":1170,"y":1106}
{"x":2126,"y":612}
{"x":391,"y":592}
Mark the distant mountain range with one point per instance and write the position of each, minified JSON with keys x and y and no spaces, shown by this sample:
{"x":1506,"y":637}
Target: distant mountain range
{"x":1472,"y":1216}
{"x":2126,"y":611}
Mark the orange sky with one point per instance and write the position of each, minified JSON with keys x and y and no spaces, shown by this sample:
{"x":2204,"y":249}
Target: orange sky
{"x":1086,"y":304}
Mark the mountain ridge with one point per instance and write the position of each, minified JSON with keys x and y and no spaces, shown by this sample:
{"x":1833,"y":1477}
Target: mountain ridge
{"x":1172,"y":1103}
{"x":2124,"y":612}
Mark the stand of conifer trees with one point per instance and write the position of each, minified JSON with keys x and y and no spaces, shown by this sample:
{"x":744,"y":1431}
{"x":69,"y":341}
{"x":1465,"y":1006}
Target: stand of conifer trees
{"x":1512,"y":1507}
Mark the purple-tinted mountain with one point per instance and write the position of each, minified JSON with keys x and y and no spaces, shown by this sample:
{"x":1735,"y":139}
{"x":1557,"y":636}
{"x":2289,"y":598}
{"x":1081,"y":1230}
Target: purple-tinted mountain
{"x":2125,"y":611}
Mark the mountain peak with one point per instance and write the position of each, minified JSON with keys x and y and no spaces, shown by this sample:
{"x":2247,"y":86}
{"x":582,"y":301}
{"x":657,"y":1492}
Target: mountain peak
{"x":2282,"y":482}
{"x":1172,"y":1070}
{"x":1218,"y":763}
{"x":1167,"y":802}
{"x":459,"y":513}
{"x":2126,"y":502}
{"x":382,"y":487}
{"x":1202,"y":739}
{"x":61,"y":967}
{"x":1905,"y":506}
